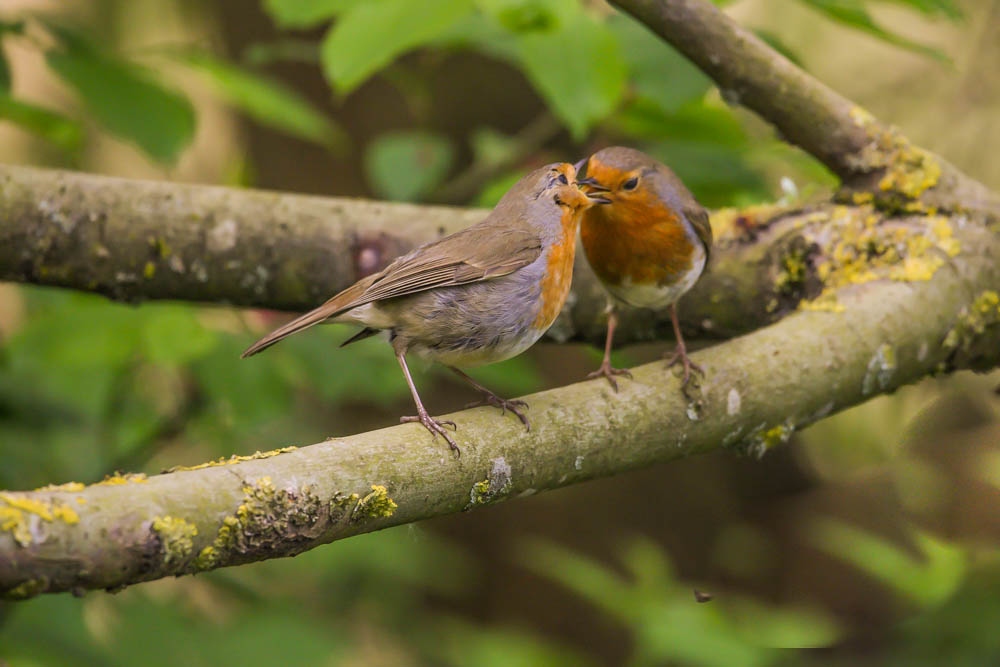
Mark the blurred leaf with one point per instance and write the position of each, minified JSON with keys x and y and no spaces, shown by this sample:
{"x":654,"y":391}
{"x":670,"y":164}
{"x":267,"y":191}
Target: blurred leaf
{"x":481,"y":32}
{"x":522,"y":16}
{"x":658,"y":72}
{"x":509,"y":378}
{"x":49,"y":125}
{"x":267,"y":101}
{"x":283,"y":50}
{"x":48,"y":630}
{"x":242,"y":393}
{"x":173,"y":335}
{"x":947,"y":8}
{"x":370,"y":35}
{"x":497,"y":188}
{"x":499,"y":647}
{"x":305,"y":13}
{"x":126,"y":99}
{"x":854,"y":14}
{"x":927,"y":580}
{"x":405,"y":166}
{"x":694,"y":123}
{"x":717,"y":175}
{"x":581,"y":86}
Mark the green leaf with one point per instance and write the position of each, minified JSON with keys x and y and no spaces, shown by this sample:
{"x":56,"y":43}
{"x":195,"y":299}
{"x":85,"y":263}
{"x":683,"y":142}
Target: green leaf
{"x":946,"y":8}
{"x":305,"y":13}
{"x":127,"y":100}
{"x":282,"y":50}
{"x":928,"y":580}
{"x":173,"y":335}
{"x":51,"y":126}
{"x":267,"y":101}
{"x":854,"y":14}
{"x":372,"y":34}
{"x":581,"y":86}
{"x":657,"y":71}
{"x":406,"y":166}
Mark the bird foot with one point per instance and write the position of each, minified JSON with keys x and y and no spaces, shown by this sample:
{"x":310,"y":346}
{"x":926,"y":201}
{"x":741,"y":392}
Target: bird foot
{"x":680,"y":357}
{"x":515,"y":406}
{"x":606,"y":370}
{"x":435,"y":426}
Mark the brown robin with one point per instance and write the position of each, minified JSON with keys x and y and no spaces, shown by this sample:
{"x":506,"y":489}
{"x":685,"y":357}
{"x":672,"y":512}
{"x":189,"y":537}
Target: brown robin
{"x":478,"y":296}
{"x":648,"y":246}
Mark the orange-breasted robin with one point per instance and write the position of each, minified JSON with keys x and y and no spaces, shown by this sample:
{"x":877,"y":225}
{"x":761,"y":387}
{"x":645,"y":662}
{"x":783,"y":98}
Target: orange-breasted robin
{"x":478,"y":296}
{"x":648,"y":246}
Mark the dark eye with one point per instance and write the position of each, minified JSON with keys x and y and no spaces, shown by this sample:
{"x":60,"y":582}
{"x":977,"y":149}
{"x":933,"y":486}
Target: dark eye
{"x":631,"y":183}
{"x":562,"y":179}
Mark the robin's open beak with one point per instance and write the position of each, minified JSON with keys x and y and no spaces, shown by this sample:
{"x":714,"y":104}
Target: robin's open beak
{"x":598,"y":199}
{"x":592,"y":184}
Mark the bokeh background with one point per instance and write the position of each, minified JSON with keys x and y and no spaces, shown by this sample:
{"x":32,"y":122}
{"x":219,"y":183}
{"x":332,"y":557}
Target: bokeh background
{"x":872,"y":535}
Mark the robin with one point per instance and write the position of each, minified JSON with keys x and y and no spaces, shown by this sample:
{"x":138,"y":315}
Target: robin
{"x":478,"y":296}
{"x":648,"y":246}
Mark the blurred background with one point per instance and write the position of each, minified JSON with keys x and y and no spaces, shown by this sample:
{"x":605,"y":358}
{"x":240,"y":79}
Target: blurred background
{"x":873,"y":535}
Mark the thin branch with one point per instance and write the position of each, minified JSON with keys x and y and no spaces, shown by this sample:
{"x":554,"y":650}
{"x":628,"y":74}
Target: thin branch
{"x":759,"y":389}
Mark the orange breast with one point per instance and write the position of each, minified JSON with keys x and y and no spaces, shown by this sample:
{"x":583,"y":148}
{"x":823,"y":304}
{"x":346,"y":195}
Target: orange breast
{"x":559,"y":272}
{"x":641,"y":241}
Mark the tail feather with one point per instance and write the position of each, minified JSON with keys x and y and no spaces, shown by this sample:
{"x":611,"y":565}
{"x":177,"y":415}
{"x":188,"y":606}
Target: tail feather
{"x":335,"y":306}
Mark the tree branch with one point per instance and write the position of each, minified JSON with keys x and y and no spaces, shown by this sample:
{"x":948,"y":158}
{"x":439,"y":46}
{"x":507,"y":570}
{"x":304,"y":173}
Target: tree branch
{"x":759,"y":389}
{"x":868,"y":155}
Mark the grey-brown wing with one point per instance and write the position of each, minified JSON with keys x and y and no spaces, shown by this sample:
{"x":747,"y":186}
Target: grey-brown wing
{"x":478,"y":253}
{"x":698,"y":217}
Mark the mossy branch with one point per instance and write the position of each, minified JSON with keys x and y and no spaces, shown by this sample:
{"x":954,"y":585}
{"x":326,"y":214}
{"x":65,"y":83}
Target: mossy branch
{"x":760,"y":388}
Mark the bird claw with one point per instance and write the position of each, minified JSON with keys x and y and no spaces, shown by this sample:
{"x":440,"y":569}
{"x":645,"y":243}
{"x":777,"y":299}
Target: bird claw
{"x":606,"y":370}
{"x":435,"y":426}
{"x":515,"y":406}
{"x":680,"y":357}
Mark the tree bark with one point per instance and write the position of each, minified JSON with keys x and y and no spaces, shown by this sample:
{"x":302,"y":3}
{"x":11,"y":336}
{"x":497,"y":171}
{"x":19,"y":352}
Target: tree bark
{"x":897,"y":280}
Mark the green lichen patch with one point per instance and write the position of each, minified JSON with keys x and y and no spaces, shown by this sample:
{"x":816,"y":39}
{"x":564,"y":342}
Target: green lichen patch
{"x":907,"y":171}
{"x":342,"y":505}
{"x":375,"y":505}
{"x":26,"y":589}
{"x":20,"y":514}
{"x":764,"y":438}
{"x":496,"y":486}
{"x":972,"y":341}
{"x":860,"y":246}
{"x":269,"y":521}
{"x":235,"y":458}
{"x":176,"y":538}
{"x":122,"y":478}
{"x":881,"y":368}
{"x":742,"y":225}
{"x":70,"y":487}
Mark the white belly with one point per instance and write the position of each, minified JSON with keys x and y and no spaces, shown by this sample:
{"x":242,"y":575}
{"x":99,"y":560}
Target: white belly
{"x":656,"y":297}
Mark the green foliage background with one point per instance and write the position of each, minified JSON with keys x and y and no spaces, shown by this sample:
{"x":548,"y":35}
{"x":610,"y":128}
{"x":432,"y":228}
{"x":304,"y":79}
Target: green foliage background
{"x":88,"y":387}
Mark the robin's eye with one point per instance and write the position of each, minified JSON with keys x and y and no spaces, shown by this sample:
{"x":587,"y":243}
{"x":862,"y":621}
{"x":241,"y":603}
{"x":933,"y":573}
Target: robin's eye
{"x":562,"y":179}
{"x":631,"y":183}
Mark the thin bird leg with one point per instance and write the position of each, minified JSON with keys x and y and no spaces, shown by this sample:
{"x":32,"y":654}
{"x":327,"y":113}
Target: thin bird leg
{"x":435,"y":426}
{"x":680,"y":352}
{"x":489,"y":398}
{"x":606,"y":369}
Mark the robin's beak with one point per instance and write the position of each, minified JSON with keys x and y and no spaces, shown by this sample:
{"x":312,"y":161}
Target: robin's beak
{"x":592,"y":183}
{"x":597,"y":199}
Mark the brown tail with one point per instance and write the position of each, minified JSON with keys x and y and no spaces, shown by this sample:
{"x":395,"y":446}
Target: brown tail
{"x":335,"y":306}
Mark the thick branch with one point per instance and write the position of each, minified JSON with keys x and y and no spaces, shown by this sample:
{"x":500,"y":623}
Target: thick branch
{"x":759,"y":389}
{"x":133,"y":240}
